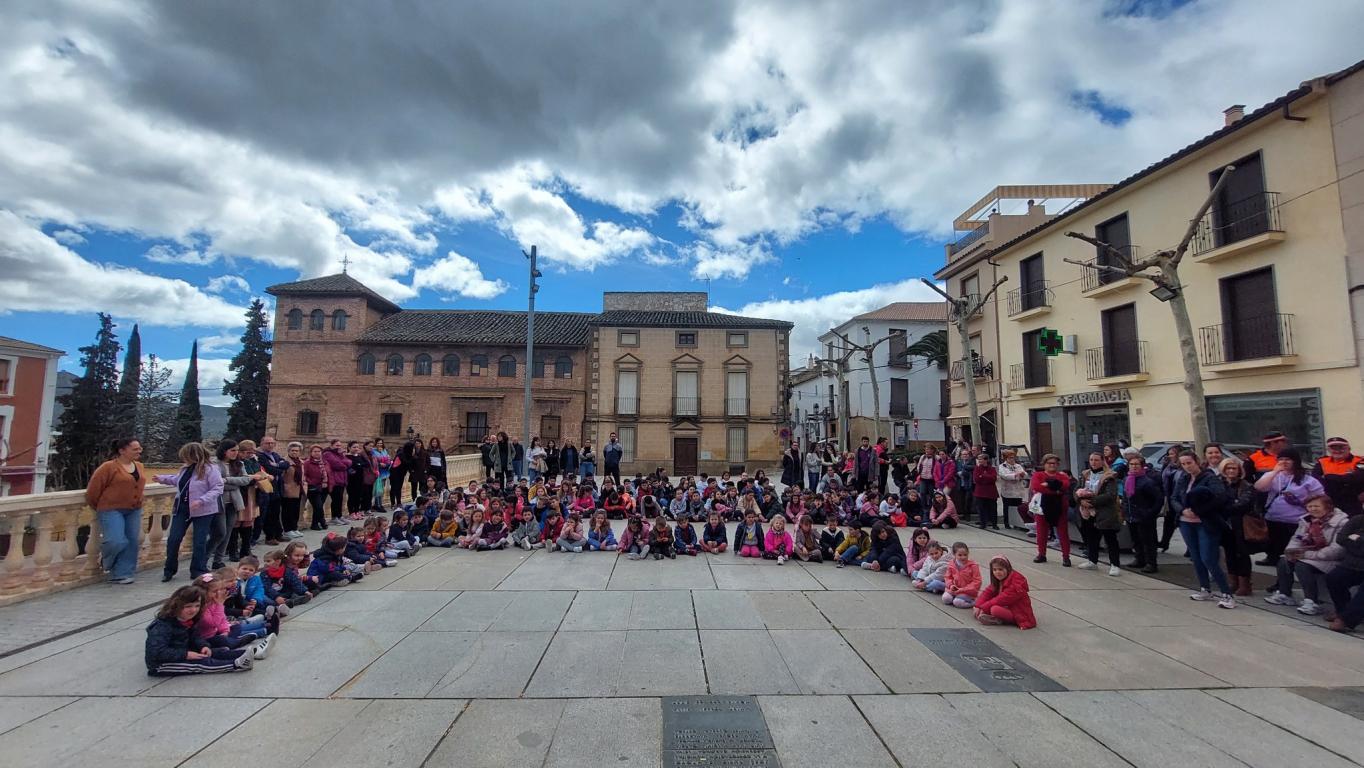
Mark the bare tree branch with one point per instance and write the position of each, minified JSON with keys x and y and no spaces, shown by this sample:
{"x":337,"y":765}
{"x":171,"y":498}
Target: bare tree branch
{"x":1183,"y":247}
{"x":986,"y":298}
{"x":1107,"y":269}
{"x":935,"y":287}
{"x":1124,"y":262}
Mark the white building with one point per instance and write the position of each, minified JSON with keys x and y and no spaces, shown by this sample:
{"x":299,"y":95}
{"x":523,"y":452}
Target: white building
{"x":911,"y":389}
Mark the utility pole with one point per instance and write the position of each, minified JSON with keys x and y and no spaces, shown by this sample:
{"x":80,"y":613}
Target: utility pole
{"x":530,"y":345}
{"x":1162,"y":268}
{"x":961,"y":310}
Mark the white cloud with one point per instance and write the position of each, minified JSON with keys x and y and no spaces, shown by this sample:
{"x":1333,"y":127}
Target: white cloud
{"x":213,"y":373}
{"x":225,"y":283}
{"x":457,"y":275}
{"x":736,"y":262}
{"x":42,"y":275}
{"x":68,"y":237}
{"x":167,"y":254}
{"x":223,"y":342}
{"x":815,"y":315}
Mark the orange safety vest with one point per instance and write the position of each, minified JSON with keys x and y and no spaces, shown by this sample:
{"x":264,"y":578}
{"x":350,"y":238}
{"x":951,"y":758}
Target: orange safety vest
{"x":1330,"y":466}
{"x":1263,"y":461}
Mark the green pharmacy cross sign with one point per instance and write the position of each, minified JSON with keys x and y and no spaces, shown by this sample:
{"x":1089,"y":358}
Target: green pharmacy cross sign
{"x":1049,"y":342}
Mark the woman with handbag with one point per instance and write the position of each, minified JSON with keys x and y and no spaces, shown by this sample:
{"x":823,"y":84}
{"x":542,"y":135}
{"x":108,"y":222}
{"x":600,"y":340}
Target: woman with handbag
{"x":536,"y":454}
{"x":1243,"y":518}
{"x":1053,"y":486}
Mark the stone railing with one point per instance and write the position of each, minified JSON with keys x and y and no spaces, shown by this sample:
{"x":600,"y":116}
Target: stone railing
{"x":45,"y":552}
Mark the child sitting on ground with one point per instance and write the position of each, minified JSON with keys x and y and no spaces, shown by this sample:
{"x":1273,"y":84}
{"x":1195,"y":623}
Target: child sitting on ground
{"x":283,"y":582}
{"x":571,"y":538}
{"x":552,"y":529}
{"x":714,"y":536}
{"x":298,"y":559}
{"x":376,"y":541}
{"x":830,"y":538}
{"x":963,"y":578}
{"x":930,"y":577}
{"x":171,"y":647}
{"x":400,"y":535}
{"x":600,"y":538}
{"x":777,"y":545}
{"x":855,"y":547}
{"x":445,"y":530}
{"x":805,"y":542}
{"x":217,"y":631}
{"x":1005,"y":600}
{"x":917,"y":550}
{"x":527,"y":534}
{"x":248,"y":597}
{"x":358,"y":552}
{"x":472,"y":532}
{"x":887,"y":554}
{"x":494,"y":532}
{"x":330,"y":567}
{"x":684,"y":538}
{"x":634,"y":541}
{"x":661,"y":540}
{"x":748,"y":538}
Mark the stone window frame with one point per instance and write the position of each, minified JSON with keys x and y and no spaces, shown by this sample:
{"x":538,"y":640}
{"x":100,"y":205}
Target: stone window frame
{"x":445,"y":366}
{"x":294,"y":320}
{"x":623,"y":341}
{"x":687,"y":363}
{"x":502,"y":367}
{"x":563,"y":367}
{"x":317,"y":320}
{"x":365,"y":364}
{"x":627,"y":363}
{"x":681,"y":339}
{"x":730,"y":336}
{"x":393,"y":365}
{"x":738,"y":364}
{"x":421,"y":365}
{"x":384,"y":423}
{"x":339,"y":320}
{"x":316,"y":419}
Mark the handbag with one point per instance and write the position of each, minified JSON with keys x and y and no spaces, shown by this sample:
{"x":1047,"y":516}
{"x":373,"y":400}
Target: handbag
{"x":1254,"y":529}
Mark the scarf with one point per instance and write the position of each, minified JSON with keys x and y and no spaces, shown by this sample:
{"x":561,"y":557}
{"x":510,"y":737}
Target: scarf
{"x":1315,"y":538}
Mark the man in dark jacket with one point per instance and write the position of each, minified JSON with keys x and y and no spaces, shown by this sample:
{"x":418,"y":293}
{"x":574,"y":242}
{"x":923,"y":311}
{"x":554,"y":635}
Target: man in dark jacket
{"x":864,"y":467}
{"x":611,"y":454}
{"x":268,"y":522}
{"x":1349,"y":572}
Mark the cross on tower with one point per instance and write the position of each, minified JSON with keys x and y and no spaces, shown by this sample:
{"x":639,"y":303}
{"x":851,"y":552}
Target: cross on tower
{"x":345,"y":263}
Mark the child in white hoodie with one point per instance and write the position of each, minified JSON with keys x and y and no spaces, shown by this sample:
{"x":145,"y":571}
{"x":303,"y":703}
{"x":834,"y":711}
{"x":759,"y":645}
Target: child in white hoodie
{"x":932,"y":575}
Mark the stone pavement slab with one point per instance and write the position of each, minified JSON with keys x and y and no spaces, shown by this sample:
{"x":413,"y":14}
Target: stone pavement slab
{"x":683,"y":573}
{"x":386,"y":610}
{"x":773,"y":576}
{"x":1140,"y":737}
{"x":661,"y":662}
{"x":615,"y":732}
{"x":501,"y":734}
{"x":885,"y":610}
{"x":559,"y":570}
{"x":457,"y":571}
{"x":903,"y":664}
{"x":1030,"y":733}
{"x":14,"y":712}
{"x":670,"y":609}
{"x":1091,"y":658}
{"x":1110,"y":608}
{"x":453,"y":665}
{"x":1234,"y":731}
{"x":598,"y":611}
{"x":822,"y":662}
{"x":820,"y":731}
{"x":1237,"y":658}
{"x":1329,"y":648}
{"x":107,"y":666}
{"x":745,"y":661}
{"x":1246,"y":613}
{"x":832,"y":577}
{"x":787,"y":610}
{"x":1306,"y":719}
{"x":926,"y":730}
{"x":469,"y":612}
{"x":723,"y":609}
{"x":581,"y":664}
{"x":1347,"y":700}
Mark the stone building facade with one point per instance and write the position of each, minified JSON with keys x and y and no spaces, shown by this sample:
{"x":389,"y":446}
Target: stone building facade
{"x":350,"y":364}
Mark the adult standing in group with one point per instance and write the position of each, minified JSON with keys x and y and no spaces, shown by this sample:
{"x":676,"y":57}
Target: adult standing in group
{"x":551,"y":460}
{"x":536,"y":454}
{"x":1100,"y":516}
{"x":1142,"y":500}
{"x":293,"y":490}
{"x":435,"y":463}
{"x":338,"y":470}
{"x":421,"y":466}
{"x":271,"y":504}
{"x":812,"y":467}
{"x":502,"y":456}
{"x":1240,"y":503}
{"x":518,"y":458}
{"x":612,"y":453}
{"x":864,"y":466}
{"x":1169,"y":480}
{"x":1054,"y":486}
{"x":1013,"y":485}
{"x":790,"y":465}
{"x":198,"y":487}
{"x":357,"y":500}
{"x":924,"y":470}
{"x":402,"y":464}
{"x":1267,"y":458}
{"x":316,"y":485}
{"x":568,"y":458}
{"x":589,"y":461}
{"x":1288,"y":487}
{"x":1202,"y":523}
{"x":485,"y":452}
{"x":882,"y":449}
{"x":1341,"y":473}
{"x":383,"y":463}
{"x":115,"y":493}
{"x":231,"y":504}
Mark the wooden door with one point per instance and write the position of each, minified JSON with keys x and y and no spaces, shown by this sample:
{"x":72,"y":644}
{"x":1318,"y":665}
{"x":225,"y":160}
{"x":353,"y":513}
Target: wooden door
{"x":1240,"y":210}
{"x":1122,"y":354}
{"x":1250,"y":320}
{"x":684,"y":456}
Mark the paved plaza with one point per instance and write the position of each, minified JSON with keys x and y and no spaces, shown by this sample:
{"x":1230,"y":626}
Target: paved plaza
{"x":528,"y":659}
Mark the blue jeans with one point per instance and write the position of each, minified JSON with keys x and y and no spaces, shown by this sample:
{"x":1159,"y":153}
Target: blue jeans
{"x":1205,"y":549}
{"x":118,"y":548}
{"x":516,"y":467}
{"x":198,"y":560}
{"x":849,"y":556}
{"x":587,"y":468}
{"x":936,"y":586}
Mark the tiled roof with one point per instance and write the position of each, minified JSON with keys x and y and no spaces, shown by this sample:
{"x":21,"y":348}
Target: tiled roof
{"x":661,"y":319}
{"x":28,"y":346}
{"x":909,"y":311}
{"x":478,"y":326}
{"x":332,"y":285}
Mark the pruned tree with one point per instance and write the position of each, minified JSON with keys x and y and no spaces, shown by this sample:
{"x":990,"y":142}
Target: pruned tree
{"x":188,"y":426}
{"x":87,"y":423}
{"x":960,"y":311}
{"x":250,"y":388}
{"x":155,"y":412}
{"x":1162,"y":269}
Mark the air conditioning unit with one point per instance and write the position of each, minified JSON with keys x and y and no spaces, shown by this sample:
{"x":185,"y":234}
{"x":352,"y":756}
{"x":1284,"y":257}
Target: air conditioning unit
{"x":1070,"y":344}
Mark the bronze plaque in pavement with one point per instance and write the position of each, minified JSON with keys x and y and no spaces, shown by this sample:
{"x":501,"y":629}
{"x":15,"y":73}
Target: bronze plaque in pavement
{"x":987,"y":666}
{"x":716,"y":732}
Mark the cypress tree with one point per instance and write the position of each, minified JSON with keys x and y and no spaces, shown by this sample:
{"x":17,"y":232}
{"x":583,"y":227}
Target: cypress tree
{"x":250,"y":388}
{"x":125,"y":416}
{"x":189,"y":420}
{"x":90,"y":416}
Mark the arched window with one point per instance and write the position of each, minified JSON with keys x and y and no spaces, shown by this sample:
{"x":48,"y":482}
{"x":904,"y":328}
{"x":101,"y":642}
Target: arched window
{"x":317,"y":320}
{"x":537,"y":369}
{"x":478,"y":364}
{"x":563,"y":367}
{"x":295,"y":319}
{"x":339,"y":320}
{"x":506,"y":366}
{"x":395,"y":365}
{"x":450,"y":365}
{"x":364,"y":364}
{"x":422,"y":365}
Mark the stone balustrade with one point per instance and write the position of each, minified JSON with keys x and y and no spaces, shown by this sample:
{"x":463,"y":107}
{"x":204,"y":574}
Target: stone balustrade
{"x":44,"y":554}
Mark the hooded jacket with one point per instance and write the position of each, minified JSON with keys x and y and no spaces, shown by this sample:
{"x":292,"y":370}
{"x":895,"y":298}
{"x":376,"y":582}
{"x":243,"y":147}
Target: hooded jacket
{"x":963,"y":579}
{"x":1012,"y":593}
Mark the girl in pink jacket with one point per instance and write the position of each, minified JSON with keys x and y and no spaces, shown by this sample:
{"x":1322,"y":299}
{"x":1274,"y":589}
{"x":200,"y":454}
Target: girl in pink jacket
{"x":777,"y":545}
{"x":963,"y":578}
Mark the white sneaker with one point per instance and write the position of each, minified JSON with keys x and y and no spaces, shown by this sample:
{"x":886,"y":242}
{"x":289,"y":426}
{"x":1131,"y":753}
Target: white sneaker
{"x":781,"y":559}
{"x":1226,"y":601}
{"x":262,"y":648}
{"x":1309,"y":608}
{"x":1201,"y":595}
{"x":867,"y":564}
{"x":1114,"y":570}
{"x":578,"y":549}
{"x":282,"y":609}
{"x":243,"y":661}
{"x":1085,"y":565}
{"x":1279,"y":598}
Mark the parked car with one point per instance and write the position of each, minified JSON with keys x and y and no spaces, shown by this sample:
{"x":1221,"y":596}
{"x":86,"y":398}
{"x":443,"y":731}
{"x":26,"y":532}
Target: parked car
{"x":1154,"y":453}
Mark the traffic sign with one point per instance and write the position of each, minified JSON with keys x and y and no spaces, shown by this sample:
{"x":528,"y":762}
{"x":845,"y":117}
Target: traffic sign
{"x":1049,"y":342}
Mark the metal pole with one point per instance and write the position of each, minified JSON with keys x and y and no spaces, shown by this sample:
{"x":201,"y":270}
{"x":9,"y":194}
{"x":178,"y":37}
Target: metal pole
{"x":530,"y":348}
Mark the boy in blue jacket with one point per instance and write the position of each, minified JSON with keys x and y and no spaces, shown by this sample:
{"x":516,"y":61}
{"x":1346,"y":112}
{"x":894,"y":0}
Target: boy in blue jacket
{"x":249,"y":597}
{"x":329,"y":564}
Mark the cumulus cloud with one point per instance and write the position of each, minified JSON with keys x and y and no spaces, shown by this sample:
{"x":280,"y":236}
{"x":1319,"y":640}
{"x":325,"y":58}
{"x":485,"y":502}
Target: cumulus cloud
{"x":213,"y":373}
{"x":42,"y":275}
{"x":714,"y":263}
{"x":162,"y":253}
{"x":226,"y":283}
{"x":457,"y":275}
{"x":223,"y":342}
{"x":815,"y":315}
{"x":68,"y":237}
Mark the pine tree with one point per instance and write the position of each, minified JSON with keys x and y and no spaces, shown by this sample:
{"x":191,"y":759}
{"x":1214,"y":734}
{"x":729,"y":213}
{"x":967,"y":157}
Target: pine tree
{"x":125,"y":413}
{"x":155,"y":408}
{"x":88,"y":421}
{"x":189,"y":420}
{"x":250,"y":388}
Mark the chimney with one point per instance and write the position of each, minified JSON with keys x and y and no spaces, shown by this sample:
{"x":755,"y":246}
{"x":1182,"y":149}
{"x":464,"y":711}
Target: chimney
{"x":1234,"y":113}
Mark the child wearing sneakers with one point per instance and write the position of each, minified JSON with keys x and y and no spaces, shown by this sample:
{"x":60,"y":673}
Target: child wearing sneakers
{"x":855,"y":547}
{"x":887,"y":554}
{"x":494,"y":532}
{"x":217,"y":631}
{"x":601,"y":538}
{"x":634,"y":542}
{"x":1005,"y":600}
{"x":330,"y":567}
{"x":830,"y":538}
{"x":714,"y":536}
{"x":805,"y":542}
{"x":777,"y":545}
{"x":401,"y":536}
{"x":249,"y":597}
{"x":283,"y":582}
{"x":931,"y":576}
{"x":963,"y":578}
{"x":571,"y":538}
{"x":527,"y":534}
{"x":171,"y":647}
{"x":748,"y":538}
{"x":684,"y":538}
{"x":661,"y":540}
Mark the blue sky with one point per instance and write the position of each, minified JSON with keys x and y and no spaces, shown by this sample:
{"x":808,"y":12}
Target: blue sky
{"x":801,"y":159}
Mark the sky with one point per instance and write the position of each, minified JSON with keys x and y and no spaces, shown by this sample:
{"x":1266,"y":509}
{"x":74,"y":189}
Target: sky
{"x":799,"y":159}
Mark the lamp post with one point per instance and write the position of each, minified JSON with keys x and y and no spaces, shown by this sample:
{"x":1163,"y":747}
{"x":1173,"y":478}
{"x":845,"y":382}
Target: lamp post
{"x":530,"y":344}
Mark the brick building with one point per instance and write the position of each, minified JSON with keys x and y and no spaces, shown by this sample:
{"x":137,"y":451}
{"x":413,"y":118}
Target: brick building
{"x":349,"y":363}
{"x":28,"y":389}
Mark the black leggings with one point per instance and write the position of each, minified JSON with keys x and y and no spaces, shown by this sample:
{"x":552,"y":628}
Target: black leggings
{"x":317,"y":499}
{"x":1091,"y":536}
{"x":288,"y":513}
{"x":1143,"y":541}
{"x":356,"y":500}
{"x":395,"y":485}
{"x":1234,"y":544}
{"x":987,"y":511}
{"x":1279,"y":536}
{"x":1170,"y":526}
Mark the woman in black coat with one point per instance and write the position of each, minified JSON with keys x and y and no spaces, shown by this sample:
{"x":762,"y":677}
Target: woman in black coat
{"x":790,"y":465}
{"x":1202,"y":523}
{"x":1143,"y":501}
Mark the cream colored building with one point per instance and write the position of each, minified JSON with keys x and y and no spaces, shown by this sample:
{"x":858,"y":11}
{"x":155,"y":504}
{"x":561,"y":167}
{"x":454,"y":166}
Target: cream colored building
{"x":1270,"y":280}
{"x":686,"y":389}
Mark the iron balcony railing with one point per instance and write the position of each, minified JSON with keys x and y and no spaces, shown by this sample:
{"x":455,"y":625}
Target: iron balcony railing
{"x":736,"y":406}
{"x":1249,"y":339}
{"x":686,"y":406}
{"x":1031,"y":296}
{"x":1116,"y":360}
{"x":982,"y":369}
{"x":973,"y":300}
{"x":1093,"y":278}
{"x":899,"y":408}
{"x":967,"y":240}
{"x":627,"y":406}
{"x":1228,"y":223}
{"x":1025,"y":376}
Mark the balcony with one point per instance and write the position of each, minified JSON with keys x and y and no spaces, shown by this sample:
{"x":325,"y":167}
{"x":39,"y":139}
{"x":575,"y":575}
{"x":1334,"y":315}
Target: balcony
{"x":1031,"y":301}
{"x":686,"y":407}
{"x":736,"y":406}
{"x":1101,"y":282}
{"x":1238,"y":228}
{"x":967,"y":241}
{"x":1117,"y":364}
{"x":973,"y":299}
{"x":981,"y":369}
{"x":1026,"y":380}
{"x":1257,"y":342}
{"x":900,"y":408}
{"x":627,"y":406}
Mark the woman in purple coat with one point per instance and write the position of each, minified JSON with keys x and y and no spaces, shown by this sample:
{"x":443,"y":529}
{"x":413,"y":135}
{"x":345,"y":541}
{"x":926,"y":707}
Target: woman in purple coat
{"x":198,"y":485}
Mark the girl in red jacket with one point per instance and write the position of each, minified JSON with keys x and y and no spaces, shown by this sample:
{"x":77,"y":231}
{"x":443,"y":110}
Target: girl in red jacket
{"x":1006,"y":600}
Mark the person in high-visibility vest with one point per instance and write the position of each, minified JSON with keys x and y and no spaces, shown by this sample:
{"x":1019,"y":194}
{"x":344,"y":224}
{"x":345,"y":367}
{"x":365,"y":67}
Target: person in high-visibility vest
{"x":1341,"y":472}
{"x":1267,"y":457}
